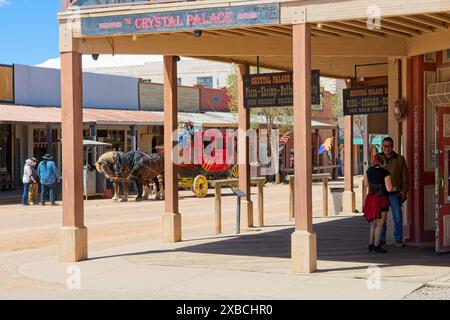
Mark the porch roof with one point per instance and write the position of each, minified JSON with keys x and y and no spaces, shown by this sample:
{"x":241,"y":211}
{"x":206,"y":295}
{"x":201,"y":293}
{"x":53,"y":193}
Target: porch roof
{"x":18,"y":114}
{"x":341,"y":36}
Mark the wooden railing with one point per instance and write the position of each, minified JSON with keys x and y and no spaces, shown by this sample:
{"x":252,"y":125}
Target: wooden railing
{"x":106,"y":3}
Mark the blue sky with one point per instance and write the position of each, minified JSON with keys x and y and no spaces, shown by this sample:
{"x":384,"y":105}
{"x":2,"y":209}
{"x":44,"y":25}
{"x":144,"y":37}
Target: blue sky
{"x":28,"y":31}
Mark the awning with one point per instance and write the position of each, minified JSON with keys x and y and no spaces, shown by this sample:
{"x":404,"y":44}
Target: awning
{"x":11,"y":113}
{"x":439,"y":93}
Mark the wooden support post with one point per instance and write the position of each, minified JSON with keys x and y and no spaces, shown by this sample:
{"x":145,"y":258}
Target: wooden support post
{"x":303,"y":240}
{"x":325,"y":196}
{"x":260,"y":217}
{"x":348,"y":196}
{"x":171,"y":224}
{"x":291,"y":198}
{"x":218,"y":207}
{"x":243,"y":150}
{"x":73,"y":235}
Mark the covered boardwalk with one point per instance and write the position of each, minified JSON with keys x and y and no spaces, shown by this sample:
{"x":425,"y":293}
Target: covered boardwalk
{"x":297,"y":36}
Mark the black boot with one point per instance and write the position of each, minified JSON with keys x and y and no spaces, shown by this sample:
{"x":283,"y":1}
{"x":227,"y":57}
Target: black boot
{"x":378,"y":249}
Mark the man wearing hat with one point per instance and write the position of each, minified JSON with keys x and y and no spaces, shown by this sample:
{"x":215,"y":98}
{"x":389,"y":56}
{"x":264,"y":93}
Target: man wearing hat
{"x":33,"y":195}
{"x":49,"y":176}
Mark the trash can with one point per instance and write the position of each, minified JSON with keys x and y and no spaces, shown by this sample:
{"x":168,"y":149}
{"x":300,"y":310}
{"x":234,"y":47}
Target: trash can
{"x":336,"y":193}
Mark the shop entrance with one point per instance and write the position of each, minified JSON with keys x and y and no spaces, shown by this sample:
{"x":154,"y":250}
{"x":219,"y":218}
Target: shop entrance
{"x":6,"y":182}
{"x":442,"y":218}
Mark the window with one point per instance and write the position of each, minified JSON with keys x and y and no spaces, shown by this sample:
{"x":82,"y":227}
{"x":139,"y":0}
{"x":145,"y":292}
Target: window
{"x":447,"y":55}
{"x":207,"y":82}
{"x":179,"y":81}
{"x":429,"y":57}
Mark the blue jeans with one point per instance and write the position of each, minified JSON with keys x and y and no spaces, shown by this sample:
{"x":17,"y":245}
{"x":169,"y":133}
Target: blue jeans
{"x":51,"y":191}
{"x":396,"y":209}
{"x":26,"y":189}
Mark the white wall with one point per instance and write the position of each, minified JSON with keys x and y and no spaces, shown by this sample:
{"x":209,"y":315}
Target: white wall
{"x":42,"y":87}
{"x":37,"y":86}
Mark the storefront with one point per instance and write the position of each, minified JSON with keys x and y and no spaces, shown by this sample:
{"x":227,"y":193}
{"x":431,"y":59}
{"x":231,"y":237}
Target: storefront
{"x":6,"y":158}
{"x":411,"y":40}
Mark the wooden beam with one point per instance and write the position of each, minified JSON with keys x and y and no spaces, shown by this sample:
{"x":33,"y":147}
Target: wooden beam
{"x":73,"y":234}
{"x":302,"y":127}
{"x":361,"y":24}
{"x":429,"y":22}
{"x":440,"y":17}
{"x":244,"y":126}
{"x":408,"y":24}
{"x":430,"y":42}
{"x":246,"y":46}
{"x":325,"y":33}
{"x":171,"y":220}
{"x":252,"y":32}
{"x":327,"y":28}
{"x":340,"y":26}
{"x":273,"y":32}
{"x":326,"y":11}
{"x":72,"y":133}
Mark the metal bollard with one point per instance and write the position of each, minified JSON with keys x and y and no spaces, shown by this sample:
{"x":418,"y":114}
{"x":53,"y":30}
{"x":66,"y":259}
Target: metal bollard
{"x":239,"y":195}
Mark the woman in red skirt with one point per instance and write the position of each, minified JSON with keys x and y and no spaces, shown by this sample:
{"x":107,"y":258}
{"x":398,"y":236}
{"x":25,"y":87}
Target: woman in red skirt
{"x":377,"y":203}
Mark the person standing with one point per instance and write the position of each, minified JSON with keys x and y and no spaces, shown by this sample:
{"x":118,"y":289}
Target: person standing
{"x":340,"y":165}
{"x":33,"y":195}
{"x":376,"y":204}
{"x":49,"y":176}
{"x":396,"y":165}
{"x":27,"y":179}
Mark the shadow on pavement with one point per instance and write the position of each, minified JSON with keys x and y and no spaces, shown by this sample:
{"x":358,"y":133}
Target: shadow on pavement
{"x":338,"y":240}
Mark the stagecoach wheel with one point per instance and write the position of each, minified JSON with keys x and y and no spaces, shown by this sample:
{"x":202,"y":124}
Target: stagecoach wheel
{"x":200,"y":186}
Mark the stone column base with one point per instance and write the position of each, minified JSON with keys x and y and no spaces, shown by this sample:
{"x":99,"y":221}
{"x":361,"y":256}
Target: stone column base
{"x":246,"y":214}
{"x":348,"y":202}
{"x":73,"y":244}
{"x":304,"y":251}
{"x":171,"y":227}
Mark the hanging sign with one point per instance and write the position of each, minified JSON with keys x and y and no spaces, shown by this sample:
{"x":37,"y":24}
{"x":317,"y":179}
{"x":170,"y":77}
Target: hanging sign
{"x":365,"y":100}
{"x":182,"y":20}
{"x":266,"y":90}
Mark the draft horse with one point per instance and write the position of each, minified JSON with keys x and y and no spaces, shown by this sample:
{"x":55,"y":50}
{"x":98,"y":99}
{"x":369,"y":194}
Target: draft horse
{"x":105,"y":166}
{"x":140,"y":167}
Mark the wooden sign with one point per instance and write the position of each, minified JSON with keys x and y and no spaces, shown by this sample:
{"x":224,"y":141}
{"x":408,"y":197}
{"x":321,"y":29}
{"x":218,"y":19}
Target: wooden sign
{"x":266,"y":90}
{"x":365,"y":100}
{"x":182,"y":20}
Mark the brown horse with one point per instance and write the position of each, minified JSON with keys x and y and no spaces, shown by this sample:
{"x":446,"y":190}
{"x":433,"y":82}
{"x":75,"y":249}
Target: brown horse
{"x":105,"y":165}
{"x":140,"y":167}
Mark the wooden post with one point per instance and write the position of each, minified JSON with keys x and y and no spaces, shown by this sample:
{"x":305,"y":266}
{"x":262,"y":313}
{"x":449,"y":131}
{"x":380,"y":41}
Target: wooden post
{"x":260,"y":217}
{"x":348,"y":196}
{"x":335,"y":152}
{"x":73,"y":235}
{"x":243,"y":150}
{"x":291,"y":198}
{"x":303,"y":248}
{"x":171,"y":218}
{"x":218,"y":207}
{"x":325,"y":197}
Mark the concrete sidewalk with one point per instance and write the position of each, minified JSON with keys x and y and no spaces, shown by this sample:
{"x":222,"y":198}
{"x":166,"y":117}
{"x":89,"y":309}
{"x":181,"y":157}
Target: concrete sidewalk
{"x":255,"y":265}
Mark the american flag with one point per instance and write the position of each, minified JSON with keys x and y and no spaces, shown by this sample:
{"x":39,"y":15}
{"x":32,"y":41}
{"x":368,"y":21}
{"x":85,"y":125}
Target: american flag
{"x":284,"y":139}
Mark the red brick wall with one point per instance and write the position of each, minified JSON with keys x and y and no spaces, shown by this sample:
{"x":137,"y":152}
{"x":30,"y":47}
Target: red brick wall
{"x":213,"y":99}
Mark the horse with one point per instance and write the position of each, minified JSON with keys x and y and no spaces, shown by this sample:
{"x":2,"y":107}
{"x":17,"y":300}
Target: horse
{"x":105,"y":166}
{"x":140,"y":167}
